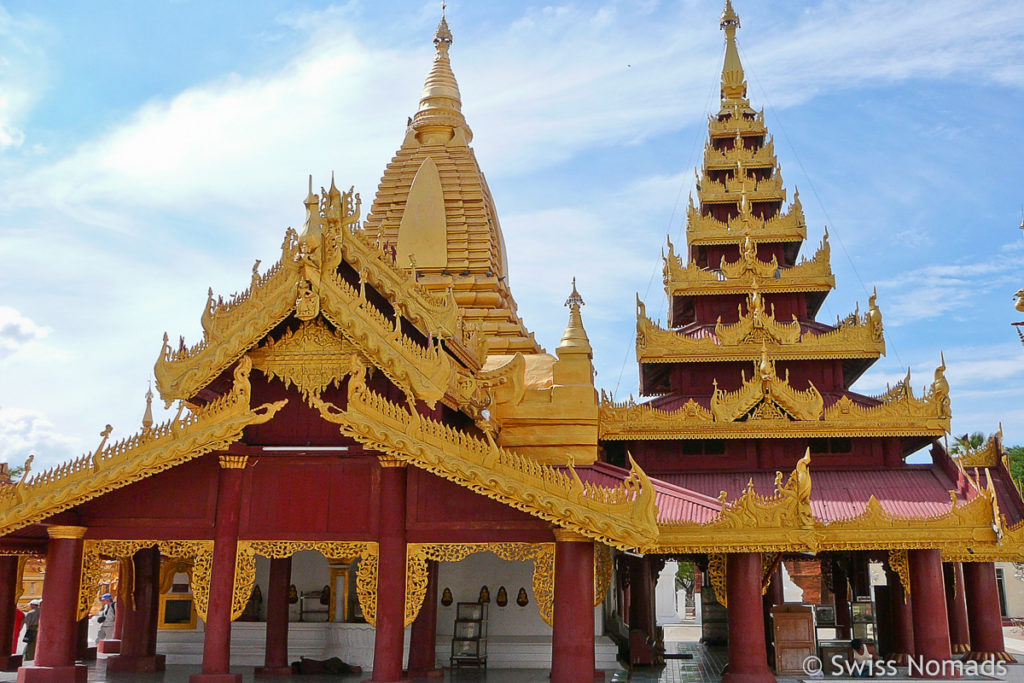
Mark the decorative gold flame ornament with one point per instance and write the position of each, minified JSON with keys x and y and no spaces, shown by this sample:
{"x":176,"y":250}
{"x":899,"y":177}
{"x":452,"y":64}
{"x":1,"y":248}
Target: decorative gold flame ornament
{"x":485,"y":596}
{"x":446,"y":597}
{"x":502,"y":598}
{"x":522,"y":600}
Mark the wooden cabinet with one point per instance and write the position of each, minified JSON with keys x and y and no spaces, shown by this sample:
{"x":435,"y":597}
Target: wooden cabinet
{"x":795,"y":641}
{"x":469,"y":639}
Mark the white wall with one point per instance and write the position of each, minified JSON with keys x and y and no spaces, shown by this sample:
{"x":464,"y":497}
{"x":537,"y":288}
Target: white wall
{"x":665,"y":595}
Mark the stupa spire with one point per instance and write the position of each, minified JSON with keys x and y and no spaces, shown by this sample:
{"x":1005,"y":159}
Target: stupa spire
{"x":440,"y":112}
{"x":734,"y":81}
{"x":575,"y":336}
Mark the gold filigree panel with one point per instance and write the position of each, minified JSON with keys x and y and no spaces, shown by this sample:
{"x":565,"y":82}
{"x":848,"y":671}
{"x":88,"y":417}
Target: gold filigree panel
{"x":899,"y":563}
{"x":717,"y":567}
{"x":337,"y":551}
{"x":200,"y":553}
{"x":313,"y":357}
{"x":541,"y":554}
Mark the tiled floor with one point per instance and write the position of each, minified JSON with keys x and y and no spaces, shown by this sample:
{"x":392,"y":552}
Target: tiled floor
{"x":701,"y":664}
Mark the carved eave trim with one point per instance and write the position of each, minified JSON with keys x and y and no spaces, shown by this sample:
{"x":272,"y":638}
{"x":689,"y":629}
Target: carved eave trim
{"x":859,"y":338}
{"x":733,"y":126}
{"x":790,"y":226}
{"x":781,"y":523}
{"x":623,"y":517}
{"x":149,"y":452}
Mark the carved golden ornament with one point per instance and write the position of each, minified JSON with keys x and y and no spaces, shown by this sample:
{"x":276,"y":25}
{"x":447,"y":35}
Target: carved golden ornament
{"x":335,"y":551}
{"x":986,"y":455}
{"x":858,"y":336}
{"x":232,"y":462}
{"x":170,"y":566}
{"x":757,"y":326}
{"x":769,"y":563}
{"x":749,"y":264}
{"x":390,"y":461}
{"x":900,"y":564}
{"x":717,"y":568}
{"x":213,"y":427}
{"x":72,"y":532}
{"x":785,"y":227}
{"x":739,"y":184}
{"x":624,"y":516}
{"x":766,"y":397}
{"x":19,"y":586}
{"x":305,"y":282}
{"x":541,"y":554}
{"x":725,"y":158}
{"x":313,"y":357}
{"x":898,"y":413}
{"x":734,"y":125}
{"x":200,"y":553}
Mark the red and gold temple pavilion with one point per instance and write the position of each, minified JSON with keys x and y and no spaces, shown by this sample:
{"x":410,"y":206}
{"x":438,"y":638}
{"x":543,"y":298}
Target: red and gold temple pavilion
{"x":374,"y":399}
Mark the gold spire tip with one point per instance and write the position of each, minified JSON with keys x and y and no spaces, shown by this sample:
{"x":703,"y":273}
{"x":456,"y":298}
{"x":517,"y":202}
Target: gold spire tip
{"x":443,"y":34}
{"x":729,"y":16}
{"x":574,"y":298}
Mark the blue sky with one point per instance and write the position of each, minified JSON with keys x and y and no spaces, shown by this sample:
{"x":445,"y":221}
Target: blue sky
{"x":149,"y":151}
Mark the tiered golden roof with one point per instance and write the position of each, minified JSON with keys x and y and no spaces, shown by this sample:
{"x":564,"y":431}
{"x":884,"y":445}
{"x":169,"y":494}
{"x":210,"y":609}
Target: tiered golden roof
{"x":737,"y":277}
{"x":738,"y":414}
{"x":858,"y":336}
{"x":433,"y":207}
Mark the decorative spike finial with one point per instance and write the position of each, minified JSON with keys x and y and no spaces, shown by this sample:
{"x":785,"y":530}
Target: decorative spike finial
{"x":443,"y":35}
{"x":147,"y":417}
{"x":574,"y":298}
{"x":734,"y":82}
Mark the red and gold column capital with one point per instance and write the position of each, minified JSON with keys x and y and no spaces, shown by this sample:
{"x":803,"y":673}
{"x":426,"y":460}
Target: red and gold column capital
{"x":66,"y":531}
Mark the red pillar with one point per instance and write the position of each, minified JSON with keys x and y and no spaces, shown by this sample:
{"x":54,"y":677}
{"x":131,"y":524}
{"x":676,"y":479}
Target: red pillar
{"x":138,"y":648}
{"x":217,"y":641}
{"x":389,"y":640}
{"x":83,"y":652}
{"x":641,"y":596}
{"x":931,"y":623}
{"x":956,"y":605}
{"x":423,"y":639}
{"x":8,"y":607}
{"x":572,"y":642}
{"x":748,"y":655}
{"x":860,"y":582}
{"x":900,"y":607}
{"x":985,"y":622}
{"x":773,"y":596}
{"x":276,"y":658}
{"x":58,"y":623}
{"x":841,"y":600}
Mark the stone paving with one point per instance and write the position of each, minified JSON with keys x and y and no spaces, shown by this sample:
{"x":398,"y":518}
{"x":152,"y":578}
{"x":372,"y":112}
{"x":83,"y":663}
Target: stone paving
{"x":699,"y":664}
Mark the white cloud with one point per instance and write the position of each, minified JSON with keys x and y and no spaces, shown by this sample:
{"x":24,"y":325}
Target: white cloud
{"x":26,"y":432}
{"x":17,"y":332}
{"x":22,"y":73}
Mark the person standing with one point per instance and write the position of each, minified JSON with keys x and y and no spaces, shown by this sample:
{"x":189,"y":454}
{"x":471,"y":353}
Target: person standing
{"x":106,"y":617}
{"x":31,"y":630}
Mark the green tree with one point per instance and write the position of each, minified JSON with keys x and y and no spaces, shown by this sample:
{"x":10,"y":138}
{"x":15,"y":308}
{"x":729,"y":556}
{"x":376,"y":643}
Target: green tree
{"x":684,"y":577}
{"x":1015,"y":456}
{"x":967,"y":442}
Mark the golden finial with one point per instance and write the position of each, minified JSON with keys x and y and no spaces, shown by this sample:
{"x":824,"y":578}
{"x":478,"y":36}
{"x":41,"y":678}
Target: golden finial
{"x":574,"y":298}
{"x":440,"y":111}
{"x":147,"y":417}
{"x":734,"y":83}
{"x":575,"y":336}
